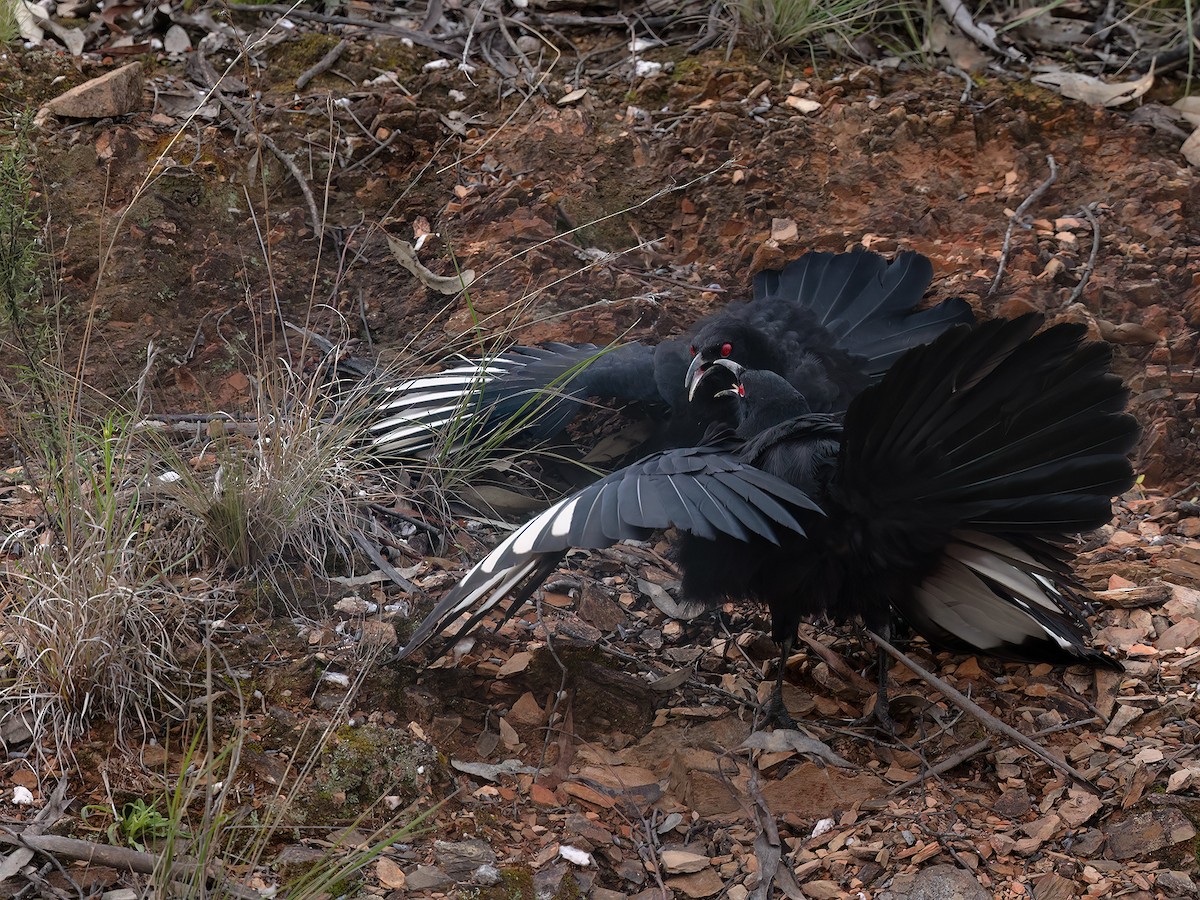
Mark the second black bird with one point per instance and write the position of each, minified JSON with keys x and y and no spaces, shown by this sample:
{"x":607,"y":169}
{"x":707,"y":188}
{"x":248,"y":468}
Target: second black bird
{"x":944,"y":499}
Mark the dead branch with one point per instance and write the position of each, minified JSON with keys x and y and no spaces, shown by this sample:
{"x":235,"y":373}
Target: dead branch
{"x":986,"y":719}
{"x":324,"y":64}
{"x":966,"y":94}
{"x":1016,"y":217}
{"x":75,"y":849}
{"x":1091,"y":263}
{"x":984,"y":35}
{"x":290,"y":11}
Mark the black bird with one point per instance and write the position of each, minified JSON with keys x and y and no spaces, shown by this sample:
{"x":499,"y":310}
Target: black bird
{"x":829,"y":323}
{"x":944,"y":499}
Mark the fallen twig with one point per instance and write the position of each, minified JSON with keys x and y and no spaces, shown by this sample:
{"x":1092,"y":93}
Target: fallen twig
{"x":1016,"y":217}
{"x":324,"y":64}
{"x":773,"y":871}
{"x":957,"y":759}
{"x":986,"y":719}
{"x":124,"y":858}
{"x":980,"y":34}
{"x":950,"y":762}
{"x":212,"y":83}
{"x":837,"y":664}
{"x":966,"y":94}
{"x":290,"y":11}
{"x":1091,"y":263}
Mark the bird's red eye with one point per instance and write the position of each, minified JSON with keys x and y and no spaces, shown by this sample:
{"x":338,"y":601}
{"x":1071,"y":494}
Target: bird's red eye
{"x":741,"y":390}
{"x":692,"y":349}
{"x":726,"y":348}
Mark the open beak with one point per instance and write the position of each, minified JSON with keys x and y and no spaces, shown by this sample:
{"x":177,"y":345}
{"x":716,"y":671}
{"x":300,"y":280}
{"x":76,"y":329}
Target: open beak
{"x":695,"y":373}
{"x":700,"y":368}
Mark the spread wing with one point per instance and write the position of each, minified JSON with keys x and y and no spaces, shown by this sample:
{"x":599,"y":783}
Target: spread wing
{"x":703,"y":490}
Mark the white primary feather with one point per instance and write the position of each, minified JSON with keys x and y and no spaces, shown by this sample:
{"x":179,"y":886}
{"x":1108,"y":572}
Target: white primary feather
{"x":955,"y":598}
{"x":1002,"y":572}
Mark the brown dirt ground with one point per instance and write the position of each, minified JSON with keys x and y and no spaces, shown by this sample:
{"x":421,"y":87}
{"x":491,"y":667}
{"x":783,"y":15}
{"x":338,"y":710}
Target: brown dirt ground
{"x":629,"y":214}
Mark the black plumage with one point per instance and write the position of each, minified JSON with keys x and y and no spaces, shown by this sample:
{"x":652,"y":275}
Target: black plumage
{"x":829,"y":323}
{"x":944,"y":499}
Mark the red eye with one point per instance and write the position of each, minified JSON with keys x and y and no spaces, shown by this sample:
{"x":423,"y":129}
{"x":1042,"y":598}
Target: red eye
{"x":741,"y":390}
{"x":692,"y":349}
{"x":726,"y":348}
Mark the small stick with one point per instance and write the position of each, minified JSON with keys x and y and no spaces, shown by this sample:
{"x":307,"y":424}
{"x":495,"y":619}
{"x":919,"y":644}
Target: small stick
{"x":1016,"y":216}
{"x":323,"y":65}
{"x":1091,"y":263}
{"x":990,"y":722}
{"x":980,"y":34}
{"x":962,"y":756}
{"x":106,"y":855}
{"x":966,"y":94}
{"x":945,"y":765}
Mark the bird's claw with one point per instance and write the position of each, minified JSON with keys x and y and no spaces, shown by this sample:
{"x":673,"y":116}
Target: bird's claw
{"x":774,"y":712}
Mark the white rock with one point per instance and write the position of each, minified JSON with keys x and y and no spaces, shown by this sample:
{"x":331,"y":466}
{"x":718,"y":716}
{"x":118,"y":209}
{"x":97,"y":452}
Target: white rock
{"x":575,"y":855}
{"x":802,"y":104}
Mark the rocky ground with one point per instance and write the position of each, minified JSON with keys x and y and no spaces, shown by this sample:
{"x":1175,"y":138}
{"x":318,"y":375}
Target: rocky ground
{"x":596,"y":745}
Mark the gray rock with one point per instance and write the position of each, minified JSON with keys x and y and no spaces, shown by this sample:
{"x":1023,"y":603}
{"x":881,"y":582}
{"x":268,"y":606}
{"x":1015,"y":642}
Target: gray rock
{"x":1086,"y":844}
{"x":461,"y":859}
{"x":1012,"y":804}
{"x":426,"y":878}
{"x":1148,"y":832}
{"x":1176,"y":884}
{"x":941,"y":882}
{"x":115,"y":93}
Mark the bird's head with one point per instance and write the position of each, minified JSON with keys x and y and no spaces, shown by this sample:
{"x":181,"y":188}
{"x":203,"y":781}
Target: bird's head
{"x":731,"y":341}
{"x":762,"y":398}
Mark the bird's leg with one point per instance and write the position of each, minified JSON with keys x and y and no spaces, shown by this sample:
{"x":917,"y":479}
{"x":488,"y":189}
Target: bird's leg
{"x":883,"y":716}
{"x":774,"y":712}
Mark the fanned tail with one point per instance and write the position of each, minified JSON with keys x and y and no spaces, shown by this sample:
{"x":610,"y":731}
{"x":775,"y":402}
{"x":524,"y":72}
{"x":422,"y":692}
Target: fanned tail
{"x":969,"y":462}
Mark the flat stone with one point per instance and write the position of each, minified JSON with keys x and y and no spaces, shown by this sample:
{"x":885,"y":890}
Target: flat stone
{"x":460,"y":859}
{"x":941,"y":882}
{"x":527,"y":711}
{"x":631,"y":870}
{"x":1180,"y":635}
{"x":1088,"y":843}
{"x":299,"y":855}
{"x":823,"y":890}
{"x":1176,"y":884}
{"x":115,"y":93}
{"x":681,"y":862}
{"x":1080,"y":806}
{"x":698,"y":884}
{"x":1148,"y":832}
{"x":427,"y":878}
{"x":1054,"y":887}
{"x":1012,"y":804}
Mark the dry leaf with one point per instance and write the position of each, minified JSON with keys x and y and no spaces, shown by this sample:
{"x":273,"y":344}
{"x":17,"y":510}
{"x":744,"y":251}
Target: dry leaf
{"x":1189,"y":108}
{"x":1191,"y":148}
{"x":672,"y":681}
{"x":407,"y":257}
{"x":390,"y":875}
{"x":787,"y":739}
{"x":1077,"y":86}
{"x":509,"y":735}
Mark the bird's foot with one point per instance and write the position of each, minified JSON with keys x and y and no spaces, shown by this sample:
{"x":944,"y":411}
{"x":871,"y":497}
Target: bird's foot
{"x":773,"y":712}
{"x":880,"y":718}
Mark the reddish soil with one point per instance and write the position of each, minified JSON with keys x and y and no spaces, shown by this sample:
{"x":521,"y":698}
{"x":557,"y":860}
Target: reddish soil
{"x":628,"y":214}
